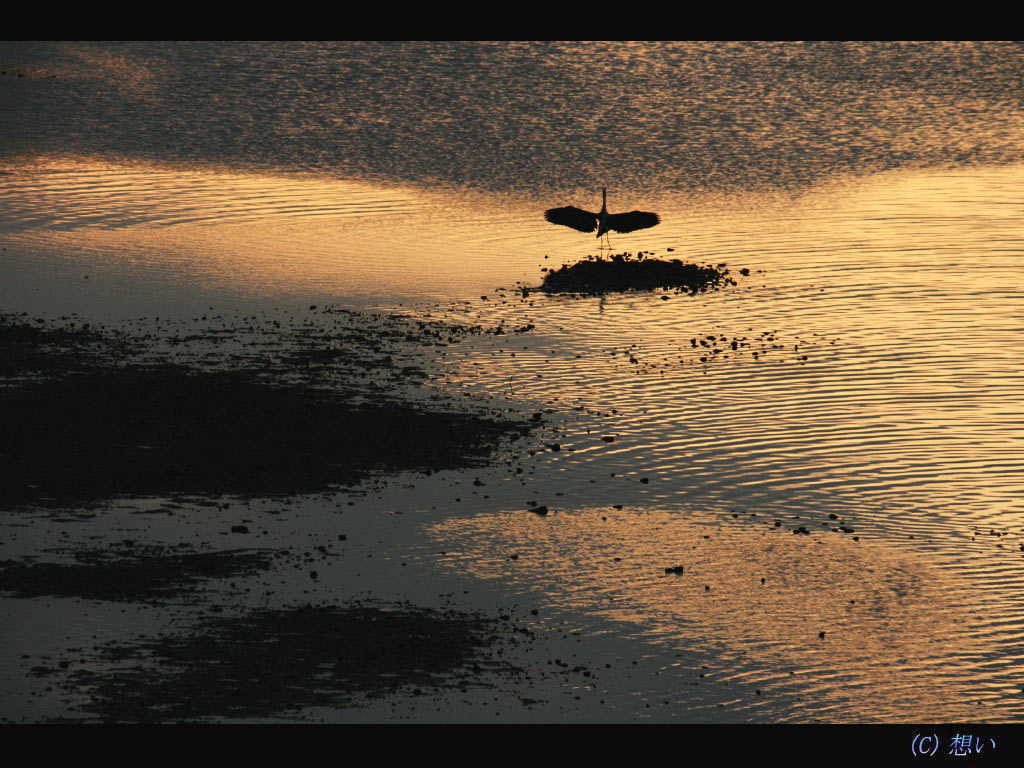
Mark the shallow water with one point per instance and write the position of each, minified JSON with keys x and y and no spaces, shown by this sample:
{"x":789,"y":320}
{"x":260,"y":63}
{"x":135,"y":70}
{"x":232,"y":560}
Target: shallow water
{"x":873,"y":193}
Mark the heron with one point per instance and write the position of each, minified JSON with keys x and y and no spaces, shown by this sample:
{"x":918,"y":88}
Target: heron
{"x":605,"y":222}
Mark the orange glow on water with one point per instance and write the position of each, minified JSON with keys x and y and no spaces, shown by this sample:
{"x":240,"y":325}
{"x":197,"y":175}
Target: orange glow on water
{"x":885,"y":390}
{"x":890,"y":621}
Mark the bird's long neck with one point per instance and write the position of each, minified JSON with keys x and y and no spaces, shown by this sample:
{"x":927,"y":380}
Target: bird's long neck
{"x":602,"y":217}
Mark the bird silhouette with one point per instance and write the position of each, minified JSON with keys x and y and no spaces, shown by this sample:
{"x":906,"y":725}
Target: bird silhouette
{"x":604,"y":222}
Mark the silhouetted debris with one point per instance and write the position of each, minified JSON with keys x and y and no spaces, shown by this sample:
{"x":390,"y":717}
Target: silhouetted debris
{"x":33,"y":348}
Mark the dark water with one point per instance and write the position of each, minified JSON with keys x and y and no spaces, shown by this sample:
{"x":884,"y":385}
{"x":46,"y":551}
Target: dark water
{"x":524,"y":118}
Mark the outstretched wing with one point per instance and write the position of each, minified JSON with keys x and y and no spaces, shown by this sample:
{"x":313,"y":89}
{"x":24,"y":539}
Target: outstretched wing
{"x":577,"y":218}
{"x":632,"y":221}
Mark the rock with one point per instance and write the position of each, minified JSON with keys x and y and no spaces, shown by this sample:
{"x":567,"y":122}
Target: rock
{"x":620,"y":272}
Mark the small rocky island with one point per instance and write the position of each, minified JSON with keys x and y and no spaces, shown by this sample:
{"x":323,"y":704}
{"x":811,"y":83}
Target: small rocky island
{"x":625,"y":272}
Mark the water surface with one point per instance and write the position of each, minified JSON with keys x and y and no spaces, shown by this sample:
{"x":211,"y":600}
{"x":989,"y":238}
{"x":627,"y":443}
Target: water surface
{"x":873,"y":191}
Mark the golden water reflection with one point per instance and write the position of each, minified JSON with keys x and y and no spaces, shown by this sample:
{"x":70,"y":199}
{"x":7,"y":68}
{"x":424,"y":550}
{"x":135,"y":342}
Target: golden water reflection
{"x":900,"y":289}
{"x":898,"y":641}
{"x":874,"y":243}
{"x":149,"y":230}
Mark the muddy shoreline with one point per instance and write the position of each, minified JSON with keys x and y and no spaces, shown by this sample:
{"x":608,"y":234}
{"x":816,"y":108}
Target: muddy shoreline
{"x":91,"y":417}
{"x":95,"y":418}
{"x":276,"y":662}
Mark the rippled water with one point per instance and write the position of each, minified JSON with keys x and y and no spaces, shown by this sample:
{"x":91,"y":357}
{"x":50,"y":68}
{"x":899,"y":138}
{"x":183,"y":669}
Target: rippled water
{"x":874,"y":191}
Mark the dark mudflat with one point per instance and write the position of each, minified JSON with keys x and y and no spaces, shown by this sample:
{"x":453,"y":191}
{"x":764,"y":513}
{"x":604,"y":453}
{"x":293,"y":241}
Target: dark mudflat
{"x":165,"y":431}
{"x":273,"y":662}
{"x":29,"y":347}
{"x":88,"y":417}
{"x":126,"y":574}
{"x":80,"y":430}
